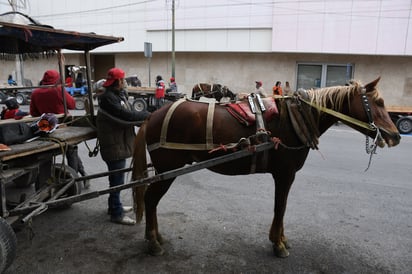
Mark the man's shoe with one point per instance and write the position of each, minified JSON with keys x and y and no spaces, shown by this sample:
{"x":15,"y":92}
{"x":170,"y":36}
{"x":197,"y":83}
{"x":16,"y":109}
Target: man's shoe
{"x":126,"y":209}
{"x":123,"y":220}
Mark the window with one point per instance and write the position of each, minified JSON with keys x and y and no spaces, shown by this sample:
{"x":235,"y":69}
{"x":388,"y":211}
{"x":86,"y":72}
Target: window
{"x":323,"y":75}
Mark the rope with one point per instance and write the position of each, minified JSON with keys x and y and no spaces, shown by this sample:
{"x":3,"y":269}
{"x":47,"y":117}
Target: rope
{"x":118,"y":120}
{"x":340,"y":115}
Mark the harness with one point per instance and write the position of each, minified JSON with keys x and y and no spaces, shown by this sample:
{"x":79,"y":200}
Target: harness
{"x":301,"y":116}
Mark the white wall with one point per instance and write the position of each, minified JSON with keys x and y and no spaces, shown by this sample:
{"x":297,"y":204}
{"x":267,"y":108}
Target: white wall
{"x":381,"y":27}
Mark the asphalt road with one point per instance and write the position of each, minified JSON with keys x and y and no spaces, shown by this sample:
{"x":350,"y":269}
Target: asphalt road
{"x":340,"y":219}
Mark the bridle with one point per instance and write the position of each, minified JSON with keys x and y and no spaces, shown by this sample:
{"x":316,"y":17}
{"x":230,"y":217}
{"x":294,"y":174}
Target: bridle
{"x":369,"y":148}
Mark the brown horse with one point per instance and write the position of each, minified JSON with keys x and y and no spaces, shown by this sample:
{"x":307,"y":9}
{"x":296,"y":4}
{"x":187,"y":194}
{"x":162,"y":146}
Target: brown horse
{"x":216,"y":91}
{"x":176,"y":138}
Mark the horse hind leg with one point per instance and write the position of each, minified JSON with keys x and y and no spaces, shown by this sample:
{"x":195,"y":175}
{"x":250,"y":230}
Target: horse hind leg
{"x":152,"y":197}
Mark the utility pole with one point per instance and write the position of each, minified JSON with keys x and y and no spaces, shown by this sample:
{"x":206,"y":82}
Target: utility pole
{"x":173,"y":39}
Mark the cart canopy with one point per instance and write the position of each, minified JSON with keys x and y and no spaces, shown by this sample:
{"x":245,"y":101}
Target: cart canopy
{"x":20,"y":34}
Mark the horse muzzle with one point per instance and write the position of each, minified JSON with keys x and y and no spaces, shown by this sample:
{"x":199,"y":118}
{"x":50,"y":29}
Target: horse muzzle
{"x":390,"y":138}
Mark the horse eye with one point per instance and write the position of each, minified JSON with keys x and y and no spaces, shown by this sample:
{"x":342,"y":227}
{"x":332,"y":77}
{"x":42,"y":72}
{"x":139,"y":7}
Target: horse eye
{"x":380,"y":102}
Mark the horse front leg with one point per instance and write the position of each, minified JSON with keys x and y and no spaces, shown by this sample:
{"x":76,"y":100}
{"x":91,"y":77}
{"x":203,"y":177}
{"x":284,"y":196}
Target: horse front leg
{"x":152,"y":197}
{"x":276,"y":234}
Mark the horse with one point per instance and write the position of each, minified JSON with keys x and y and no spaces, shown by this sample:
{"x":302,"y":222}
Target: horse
{"x":216,"y":91}
{"x":358,"y":106}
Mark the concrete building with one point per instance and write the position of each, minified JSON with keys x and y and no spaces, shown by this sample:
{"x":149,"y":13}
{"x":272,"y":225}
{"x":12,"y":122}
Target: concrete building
{"x":312,"y":43}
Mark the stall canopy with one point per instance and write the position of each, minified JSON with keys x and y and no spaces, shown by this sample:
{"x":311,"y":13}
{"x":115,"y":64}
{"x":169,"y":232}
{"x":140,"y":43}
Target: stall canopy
{"x":19,"y":34}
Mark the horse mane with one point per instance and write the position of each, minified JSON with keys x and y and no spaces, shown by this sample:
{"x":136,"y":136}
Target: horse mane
{"x":334,"y":97}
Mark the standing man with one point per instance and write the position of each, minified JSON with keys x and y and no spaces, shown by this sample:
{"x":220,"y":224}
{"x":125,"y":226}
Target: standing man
{"x":116,"y":134}
{"x":172,"y":85}
{"x":160,"y":91}
{"x":260,"y":90}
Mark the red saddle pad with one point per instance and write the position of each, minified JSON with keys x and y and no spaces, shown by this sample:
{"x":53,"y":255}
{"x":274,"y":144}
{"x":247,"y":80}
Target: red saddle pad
{"x":242,"y":112}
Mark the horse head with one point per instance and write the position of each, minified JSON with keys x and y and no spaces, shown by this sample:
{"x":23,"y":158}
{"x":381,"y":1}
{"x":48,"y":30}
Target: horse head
{"x":228,"y":93}
{"x":368,"y":104}
{"x":365,"y":108}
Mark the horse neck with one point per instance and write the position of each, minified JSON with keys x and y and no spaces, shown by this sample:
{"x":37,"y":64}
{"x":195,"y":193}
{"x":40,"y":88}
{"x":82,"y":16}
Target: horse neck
{"x":333,"y":98}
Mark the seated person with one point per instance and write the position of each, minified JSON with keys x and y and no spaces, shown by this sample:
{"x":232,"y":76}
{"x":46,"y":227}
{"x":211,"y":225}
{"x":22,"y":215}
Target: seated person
{"x":12,"y":110}
{"x":50,"y":100}
{"x":11,"y":81}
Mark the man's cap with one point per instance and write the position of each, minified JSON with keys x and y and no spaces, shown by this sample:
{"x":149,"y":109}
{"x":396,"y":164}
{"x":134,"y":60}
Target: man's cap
{"x":259,"y":82}
{"x":172,"y":79}
{"x":113,"y":75}
{"x":50,"y":77}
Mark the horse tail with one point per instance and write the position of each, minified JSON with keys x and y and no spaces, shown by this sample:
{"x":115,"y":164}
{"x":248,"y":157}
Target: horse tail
{"x":139,"y":171}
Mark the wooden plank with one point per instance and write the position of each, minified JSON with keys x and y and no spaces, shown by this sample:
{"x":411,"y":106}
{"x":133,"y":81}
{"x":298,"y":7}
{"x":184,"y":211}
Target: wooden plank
{"x":26,"y":119}
{"x":141,"y":90}
{"x":401,"y":109}
{"x":66,"y":135}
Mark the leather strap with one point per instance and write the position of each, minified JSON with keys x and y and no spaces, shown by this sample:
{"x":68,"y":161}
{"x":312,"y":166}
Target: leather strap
{"x":163,"y":143}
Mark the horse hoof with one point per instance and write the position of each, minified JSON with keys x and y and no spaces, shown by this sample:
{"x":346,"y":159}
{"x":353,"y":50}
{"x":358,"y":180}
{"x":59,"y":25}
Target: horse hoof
{"x":160,"y":239}
{"x":280,"y":251}
{"x":286,"y":244}
{"x":155,"y":249}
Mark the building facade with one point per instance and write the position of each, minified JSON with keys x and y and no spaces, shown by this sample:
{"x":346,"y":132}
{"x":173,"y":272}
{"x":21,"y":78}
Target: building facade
{"x":313,"y":43}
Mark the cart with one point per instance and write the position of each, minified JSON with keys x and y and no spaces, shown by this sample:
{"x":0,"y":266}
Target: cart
{"x":22,"y":94}
{"x":32,"y":165}
{"x":144,"y":98}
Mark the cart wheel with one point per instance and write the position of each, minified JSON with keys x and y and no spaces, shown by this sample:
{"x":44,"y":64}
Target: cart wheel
{"x":404,"y":125}
{"x":140,"y":104}
{"x":21,"y":99}
{"x":65,"y":172}
{"x":8,"y":245}
{"x":79,"y":103}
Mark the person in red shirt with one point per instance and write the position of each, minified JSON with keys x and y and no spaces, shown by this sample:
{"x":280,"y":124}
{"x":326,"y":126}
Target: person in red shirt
{"x":160,"y":91}
{"x":69,"y":81}
{"x":12,"y":110}
{"x":50,"y":99}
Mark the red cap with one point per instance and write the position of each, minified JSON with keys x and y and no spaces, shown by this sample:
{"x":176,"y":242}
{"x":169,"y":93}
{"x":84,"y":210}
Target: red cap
{"x":113,"y":75}
{"x":50,"y":77}
{"x":259,"y":82}
{"x":172,"y":79}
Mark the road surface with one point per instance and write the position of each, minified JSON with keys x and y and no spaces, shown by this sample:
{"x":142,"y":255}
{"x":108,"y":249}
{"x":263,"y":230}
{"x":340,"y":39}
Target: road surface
{"x":340,"y":219}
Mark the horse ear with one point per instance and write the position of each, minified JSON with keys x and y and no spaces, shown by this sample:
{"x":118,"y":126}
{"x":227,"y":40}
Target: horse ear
{"x":371,"y":86}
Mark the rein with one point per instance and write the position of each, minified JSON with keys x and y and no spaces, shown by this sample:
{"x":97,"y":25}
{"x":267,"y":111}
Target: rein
{"x":370,"y":149}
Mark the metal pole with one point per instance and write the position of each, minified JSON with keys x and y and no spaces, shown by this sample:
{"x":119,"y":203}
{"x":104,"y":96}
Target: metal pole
{"x":62,"y":80}
{"x":89,"y":85}
{"x":173,"y":38}
{"x":149,"y":180}
{"x":150,"y":79}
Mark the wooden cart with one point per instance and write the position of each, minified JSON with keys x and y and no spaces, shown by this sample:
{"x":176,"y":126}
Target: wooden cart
{"x":34,"y":163}
{"x":144,"y":98}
